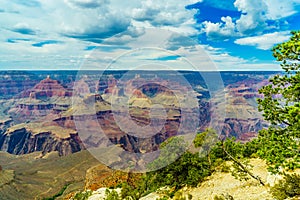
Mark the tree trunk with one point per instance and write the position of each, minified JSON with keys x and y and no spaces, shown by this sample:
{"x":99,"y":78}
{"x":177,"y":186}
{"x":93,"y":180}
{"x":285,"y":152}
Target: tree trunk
{"x":242,"y":166}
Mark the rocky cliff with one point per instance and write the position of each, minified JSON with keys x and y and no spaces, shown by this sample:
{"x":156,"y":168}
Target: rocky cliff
{"x":24,"y":139}
{"x":46,"y":88}
{"x":48,"y":96}
{"x":241,"y":118}
{"x":13,"y":83}
{"x":49,"y":103}
{"x":243,"y":129}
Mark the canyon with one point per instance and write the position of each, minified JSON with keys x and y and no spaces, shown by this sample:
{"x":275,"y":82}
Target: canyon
{"x":42,"y":142}
{"x":39,"y":114}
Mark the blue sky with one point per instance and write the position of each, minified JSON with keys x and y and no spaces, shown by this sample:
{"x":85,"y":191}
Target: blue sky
{"x":74,"y":34}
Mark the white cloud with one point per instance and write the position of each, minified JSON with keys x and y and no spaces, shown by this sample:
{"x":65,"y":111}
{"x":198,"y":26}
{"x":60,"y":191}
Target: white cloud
{"x":266,"y":41}
{"x":76,"y":24}
{"x":253,"y":18}
{"x":67,"y":27}
{"x":221,"y":30}
{"x":279,"y":9}
{"x":23,"y":28}
{"x":168,"y":13}
{"x":256,"y":17}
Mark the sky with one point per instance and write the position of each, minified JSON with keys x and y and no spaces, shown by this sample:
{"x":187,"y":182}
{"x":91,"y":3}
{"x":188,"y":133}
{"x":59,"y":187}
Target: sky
{"x":221,"y":35}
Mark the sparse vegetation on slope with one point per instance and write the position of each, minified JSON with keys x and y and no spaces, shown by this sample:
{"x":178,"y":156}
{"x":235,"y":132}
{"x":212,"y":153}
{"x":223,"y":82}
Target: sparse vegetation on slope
{"x":287,"y":187}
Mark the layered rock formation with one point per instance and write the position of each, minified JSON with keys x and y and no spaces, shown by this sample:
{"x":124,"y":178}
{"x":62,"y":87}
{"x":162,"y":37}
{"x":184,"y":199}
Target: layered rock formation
{"x":241,"y":119}
{"x":243,"y":129}
{"x":103,"y":118}
{"x":13,"y":83}
{"x":37,"y":107}
{"x":48,"y":96}
{"x":47,"y":88}
{"x":28,"y":138}
{"x":49,"y":103}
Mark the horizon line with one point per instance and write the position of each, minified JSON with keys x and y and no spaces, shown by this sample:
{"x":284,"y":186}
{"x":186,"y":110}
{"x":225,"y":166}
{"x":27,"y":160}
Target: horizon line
{"x":242,"y":70}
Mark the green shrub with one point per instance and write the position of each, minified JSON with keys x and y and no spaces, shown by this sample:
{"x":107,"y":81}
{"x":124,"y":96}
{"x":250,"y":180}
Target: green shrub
{"x":163,"y":198}
{"x":225,"y":168}
{"x":287,"y":187}
{"x":82,"y":195}
{"x":189,"y":169}
{"x":112,"y":195}
{"x":130,"y":192}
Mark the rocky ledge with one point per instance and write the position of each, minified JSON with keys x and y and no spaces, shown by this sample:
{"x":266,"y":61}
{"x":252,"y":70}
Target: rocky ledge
{"x":28,"y":138}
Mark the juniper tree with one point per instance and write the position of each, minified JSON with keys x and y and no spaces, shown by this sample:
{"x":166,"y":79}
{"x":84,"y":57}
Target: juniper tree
{"x":281,"y":107}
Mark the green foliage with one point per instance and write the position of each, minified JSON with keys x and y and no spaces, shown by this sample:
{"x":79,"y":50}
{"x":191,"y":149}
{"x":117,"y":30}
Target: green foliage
{"x":188,"y":170}
{"x":112,"y":195}
{"x":170,"y":150}
{"x":206,"y":139}
{"x":281,"y":107}
{"x":239,"y":154}
{"x":82,"y":195}
{"x":127,"y":191}
{"x":251,"y":148}
{"x":239,"y":173}
{"x":236,"y":149}
{"x":287,"y":188}
{"x":225,"y":168}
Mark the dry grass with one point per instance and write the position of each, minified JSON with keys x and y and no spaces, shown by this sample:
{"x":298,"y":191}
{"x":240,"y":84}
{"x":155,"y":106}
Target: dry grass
{"x":37,"y":178}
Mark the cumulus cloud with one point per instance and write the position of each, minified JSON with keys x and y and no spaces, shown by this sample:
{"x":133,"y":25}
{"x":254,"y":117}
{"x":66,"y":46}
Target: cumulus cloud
{"x":91,"y":25}
{"x":253,"y":18}
{"x":177,"y":41}
{"x":221,"y":30}
{"x":266,"y":41}
{"x":109,"y":26}
{"x":123,"y":23}
{"x":257,"y":17}
{"x":164,"y":14}
{"x":72,"y":27}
